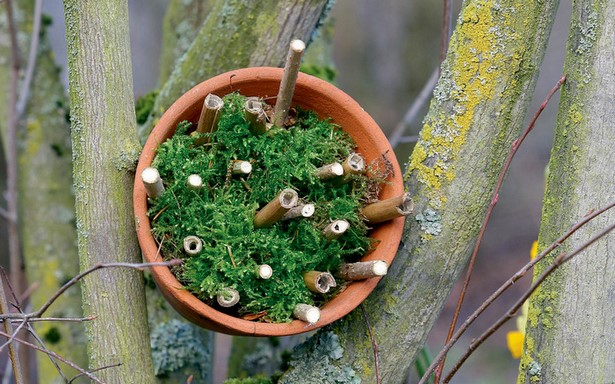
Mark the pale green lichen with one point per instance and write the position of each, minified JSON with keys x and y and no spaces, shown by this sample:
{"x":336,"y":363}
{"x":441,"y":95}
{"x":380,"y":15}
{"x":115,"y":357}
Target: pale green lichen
{"x":430,"y":221}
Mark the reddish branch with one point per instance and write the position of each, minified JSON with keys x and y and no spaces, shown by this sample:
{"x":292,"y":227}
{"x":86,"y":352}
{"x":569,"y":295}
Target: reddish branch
{"x":494,"y":200}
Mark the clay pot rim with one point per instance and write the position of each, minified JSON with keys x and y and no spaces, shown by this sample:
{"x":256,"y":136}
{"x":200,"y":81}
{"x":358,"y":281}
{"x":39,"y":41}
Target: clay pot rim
{"x":330,"y":98}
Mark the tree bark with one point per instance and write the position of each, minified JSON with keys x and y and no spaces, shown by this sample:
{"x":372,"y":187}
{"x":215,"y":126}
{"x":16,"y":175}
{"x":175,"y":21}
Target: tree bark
{"x":477,"y":110}
{"x":105,"y":149}
{"x":572,"y":315}
{"x":238,"y":34}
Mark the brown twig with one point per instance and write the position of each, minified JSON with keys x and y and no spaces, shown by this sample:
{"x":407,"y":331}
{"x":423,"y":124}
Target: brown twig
{"x":446,"y":29}
{"x":559,"y":261}
{"x":93,"y":370}
{"x":374,"y":344}
{"x":287,"y":85}
{"x":494,"y":199}
{"x":511,"y":281}
{"x":32,"y":56}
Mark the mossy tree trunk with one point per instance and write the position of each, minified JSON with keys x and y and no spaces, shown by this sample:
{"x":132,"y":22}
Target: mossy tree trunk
{"x":477,"y":110}
{"x":105,"y":149}
{"x":572,"y":315}
{"x":47,"y":206}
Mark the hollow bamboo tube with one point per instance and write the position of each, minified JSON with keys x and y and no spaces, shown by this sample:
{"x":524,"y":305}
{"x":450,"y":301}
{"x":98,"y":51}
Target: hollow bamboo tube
{"x":264,"y":271}
{"x":152,"y":182}
{"x":307,"y":313}
{"x":241,"y":167}
{"x":208,"y":120}
{"x":276,"y":208}
{"x":227,"y":297}
{"x":336,"y":229}
{"x":388,"y":209}
{"x":192,"y":245}
{"x":287,"y":85}
{"x":319,"y":282}
{"x":194,"y":182}
{"x":305,"y":210}
{"x":330,"y":171}
{"x":255,"y":115}
{"x":363,"y":270}
{"x":353,"y":164}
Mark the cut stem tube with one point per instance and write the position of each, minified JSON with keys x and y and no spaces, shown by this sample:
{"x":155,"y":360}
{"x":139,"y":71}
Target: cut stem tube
{"x":307,"y":313}
{"x":255,"y":115}
{"x":276,"y":208}
{"x":264,"y":271}
{"x":208,"y":120}
{"x":336,"y":229}
{"x":388,"y":209}
{"x":363,"y":270}
{"x":227,"y":297}
{"x":194,"y":182}
{"x":287,"y":85}
{"x":192,"y":245}
{"x":354,"y":164}
{"x":305,"y":210}
{"x":241,"y":167}
{"x":319,"y":282}
{"x":152,"y":182}
{"x":330,"y":171}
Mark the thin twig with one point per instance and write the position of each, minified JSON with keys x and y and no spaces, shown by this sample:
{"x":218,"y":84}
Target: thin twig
{"x":395,"y":138}
{"x":94,"y":370}
{"x":34,"y":42}
{"x":54,"y":355}
{"x":374,"y":344}
{"x":42,"y":344}
{"x":13,"y":334}
{"x":494,"y":200}
{"x":13,"y":357}
{"x":559,"y":261}
{"x":61,"y":319}
{"x":510,"y":282}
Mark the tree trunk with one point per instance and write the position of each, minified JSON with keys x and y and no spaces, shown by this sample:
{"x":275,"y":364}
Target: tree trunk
{"x":105,"y":149}
{"x":572,"y":315}
{"x":477,"y":110}
{"x":237,"y":34}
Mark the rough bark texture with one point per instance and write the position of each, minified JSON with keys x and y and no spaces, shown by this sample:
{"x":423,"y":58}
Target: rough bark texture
{"x":477,"y":110}
{"x":105,"y":149}
{"x":237,"y":34}
{"x":572,"y":315}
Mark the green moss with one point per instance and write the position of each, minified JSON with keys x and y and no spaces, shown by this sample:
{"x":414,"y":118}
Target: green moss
{"x":144,"y":106}
{"x":53,"y":335}
{"x":222,"y":212}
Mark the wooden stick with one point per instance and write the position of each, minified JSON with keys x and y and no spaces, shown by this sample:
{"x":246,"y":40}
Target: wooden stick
{"x":319,"y":282}
{"x":255,"y":115}
{"x":194,"y":182}
{"x":388,"y":209}
{"x":330,"y":171}
{"x":276,"y":208}
{"x":354,"y":164}
{"x":305,"y":210}
{"x":227,"y":297}
{"x":264,"y":271}
{"x":192,"y":245}
{"x":336,"y":229}
{"x":241,"y":167}
{"x":152,"y":182}
{"x":363,"y":270}
{"x":208,"y":120}
{"x":307,"y":313}
{"x":287,"y":85}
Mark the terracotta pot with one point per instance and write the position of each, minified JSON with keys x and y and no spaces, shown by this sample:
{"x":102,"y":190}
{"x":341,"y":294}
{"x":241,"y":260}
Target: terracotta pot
{"x":310,"y":93}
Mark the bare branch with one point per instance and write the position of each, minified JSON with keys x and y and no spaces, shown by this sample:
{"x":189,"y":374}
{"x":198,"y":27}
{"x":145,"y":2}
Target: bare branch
{"x":34,"y":42}
{"x":94,"y":370}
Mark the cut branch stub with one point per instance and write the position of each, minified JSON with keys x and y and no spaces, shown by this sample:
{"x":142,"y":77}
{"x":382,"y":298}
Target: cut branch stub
{"x":354,"y":164}
{"x":264,"y":271}
{"x":276,"y":208}
{"x":287,"y":85}
{"x":388,"y":209}
{"x":152,"y":182}
{"x":194,"y":182}
{"x":192,"y":245}
{"x":255,"y":115}
{"x":330,"y":171}
{"x":319,"y":282}
{"x":307,"y":313}
{"x":305,"y":210}
{"x":241,"y":167}
{"x":336,"y":229}
{"x":208,"y":120}
{"x":227,"y":297}
{"x":363,"y":270}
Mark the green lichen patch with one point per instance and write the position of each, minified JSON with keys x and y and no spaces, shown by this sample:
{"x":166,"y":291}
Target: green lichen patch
{"x":222,"y":212}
